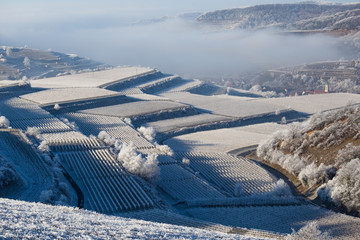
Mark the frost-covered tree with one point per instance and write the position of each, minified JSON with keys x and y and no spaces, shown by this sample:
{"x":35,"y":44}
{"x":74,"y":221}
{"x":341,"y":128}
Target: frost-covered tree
{"x":8,"y":51}
{"x":344,"y":188}
{"x":26,"y":62}
{"x":310,"y":231}
{"x":8,"y":173}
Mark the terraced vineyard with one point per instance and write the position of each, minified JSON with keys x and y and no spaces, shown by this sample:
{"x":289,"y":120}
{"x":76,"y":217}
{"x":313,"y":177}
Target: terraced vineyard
{"x":108,"y":187}
{"x":35,"y":175}
{"x":182,"y":185}
{"x":91,"y":124}
{"x":198,"y":181}
{"x":227,"y":172}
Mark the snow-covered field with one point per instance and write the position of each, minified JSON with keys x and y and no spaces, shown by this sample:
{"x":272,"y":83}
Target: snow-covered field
{"x":314,"y":103}
{"x":63,"y":95}
{"x":227,"y":105}
{"x":223,"y":140}
{"x":135,"y":108}
{"x":92,"y":79}
{"x":188,"y":121}
{"x":39,"y":221}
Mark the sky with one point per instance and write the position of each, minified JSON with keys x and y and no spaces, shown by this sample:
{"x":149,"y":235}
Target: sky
{"x":105,"y":31}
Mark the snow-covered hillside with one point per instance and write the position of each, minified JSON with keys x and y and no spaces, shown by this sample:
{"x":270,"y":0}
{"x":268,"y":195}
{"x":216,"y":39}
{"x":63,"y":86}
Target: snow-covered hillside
{"x":299,"y":16}
{"x":19,"y":62}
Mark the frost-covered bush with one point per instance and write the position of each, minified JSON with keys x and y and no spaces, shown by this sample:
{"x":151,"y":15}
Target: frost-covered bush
{"x":258,"y":90}
{"x":70,"y":124}
{"x":127,"y":121}
{"x":165,"y":149}
{"x":312,"y":174}
{"x":292,"y":163}
{"x":344,"y":188}
{"x":280,"y":189}
{"x":57,"y":107}
{"x":44,"y":147}
{"x":108,"y":139}
{"x":59,"y":192}
{"x":310,"y":231}
{"x":4,"y":122}
{"x":8,"y":173}
{"x":148,"y":132}
{"x":136,"y":164}
{"x":185,"y":161}
{"x":24,"y":81}
{"x":47,"y":196}
{"x":34,"y":132}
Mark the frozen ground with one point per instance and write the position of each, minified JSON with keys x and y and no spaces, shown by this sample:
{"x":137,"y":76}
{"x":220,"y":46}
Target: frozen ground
{"x":49,"y":222}
{"x":223,"y":140}
{"x":282,"y":218}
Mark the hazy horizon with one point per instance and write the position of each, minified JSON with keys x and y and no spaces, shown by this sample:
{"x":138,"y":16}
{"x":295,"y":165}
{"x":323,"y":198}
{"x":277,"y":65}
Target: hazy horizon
{"x":105,"y":31}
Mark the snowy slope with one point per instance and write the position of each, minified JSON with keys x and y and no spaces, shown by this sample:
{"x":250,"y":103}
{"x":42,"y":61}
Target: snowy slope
{"x":38,"y":221}
{"x":41,"y":64}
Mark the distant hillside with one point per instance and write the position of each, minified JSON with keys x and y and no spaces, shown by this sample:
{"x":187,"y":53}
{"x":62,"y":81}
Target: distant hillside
{"x":323,"y":152}
{"x":292,"y":17}
{"x":17,"y":63}
{"x":339,"y":76}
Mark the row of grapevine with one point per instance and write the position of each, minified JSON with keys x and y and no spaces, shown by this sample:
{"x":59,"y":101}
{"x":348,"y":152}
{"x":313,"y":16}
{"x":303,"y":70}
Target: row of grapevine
{"x":20,"y":152}
{"x":161,"y":84}
{"x":107,"y":187}
{"x":45,"y":125}
{"x":187,"y":85}
{"x":131,"y":91}
{"x":134,"y":81}
{"x":20,"y":109}
{"x":62,"y":145}
{"x":182,"y":185}
{"x":228,"y":172}
{"x":91,"y":124}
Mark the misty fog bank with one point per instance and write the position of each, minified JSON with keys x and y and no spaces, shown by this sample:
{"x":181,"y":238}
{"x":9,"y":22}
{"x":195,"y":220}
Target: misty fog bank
{"x":175,"y":45}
